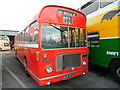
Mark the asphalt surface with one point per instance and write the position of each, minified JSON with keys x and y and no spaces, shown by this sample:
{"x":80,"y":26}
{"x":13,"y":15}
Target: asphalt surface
{"x":12,"y":75}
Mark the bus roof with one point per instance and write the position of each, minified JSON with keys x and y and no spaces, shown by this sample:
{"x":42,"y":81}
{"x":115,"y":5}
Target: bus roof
{"x":61,"y":7}
{"x":49,"y":14}
{"x":87,"y":4}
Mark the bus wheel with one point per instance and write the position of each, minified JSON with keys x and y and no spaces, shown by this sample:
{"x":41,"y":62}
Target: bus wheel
{"x":25,"y":66}
{"x":16,"y":57}
{"x":115,"y":70}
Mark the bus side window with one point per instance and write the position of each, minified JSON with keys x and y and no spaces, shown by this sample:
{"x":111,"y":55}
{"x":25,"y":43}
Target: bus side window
{"x":90,"y":7}
{"x":22,"y":36}
{"x":26,"y":35}
{"x":19,"y":38}
{"x":94,"y":39}
{"x":34,"y":32}
{"x":104,"y":3}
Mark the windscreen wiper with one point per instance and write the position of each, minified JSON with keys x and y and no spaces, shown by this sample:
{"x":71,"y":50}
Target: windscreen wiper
{"x":57,"y":28}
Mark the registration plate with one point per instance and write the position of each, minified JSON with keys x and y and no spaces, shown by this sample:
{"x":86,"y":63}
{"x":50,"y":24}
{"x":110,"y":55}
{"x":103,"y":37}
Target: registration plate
{"x":69,"y":76}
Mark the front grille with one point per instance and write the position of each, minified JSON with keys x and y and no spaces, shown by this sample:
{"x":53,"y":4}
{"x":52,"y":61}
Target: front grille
{"x":6,"y":44}
{"x":67,"y":60}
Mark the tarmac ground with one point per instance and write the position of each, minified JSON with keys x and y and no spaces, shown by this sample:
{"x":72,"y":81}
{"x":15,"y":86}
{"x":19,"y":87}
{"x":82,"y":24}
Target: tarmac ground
{"x":12,"y":75}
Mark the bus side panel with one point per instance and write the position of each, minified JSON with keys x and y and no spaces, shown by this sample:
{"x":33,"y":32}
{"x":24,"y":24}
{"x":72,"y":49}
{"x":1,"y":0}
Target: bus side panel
{"x":109,"y":39}
{"x":19,"y":53}
{"x":105,"y":53}
{"x":32,"y":63}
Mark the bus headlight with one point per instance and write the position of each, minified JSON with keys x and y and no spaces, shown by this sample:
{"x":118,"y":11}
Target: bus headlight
{"x":49,"y":69}
{"x":84,"y":62}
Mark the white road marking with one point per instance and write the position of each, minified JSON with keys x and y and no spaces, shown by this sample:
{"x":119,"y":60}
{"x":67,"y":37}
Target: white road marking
{"x":19,"y":81}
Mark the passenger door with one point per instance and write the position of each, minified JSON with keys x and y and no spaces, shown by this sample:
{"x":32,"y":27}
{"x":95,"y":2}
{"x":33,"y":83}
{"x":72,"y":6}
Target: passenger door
{"x":33,"y":47}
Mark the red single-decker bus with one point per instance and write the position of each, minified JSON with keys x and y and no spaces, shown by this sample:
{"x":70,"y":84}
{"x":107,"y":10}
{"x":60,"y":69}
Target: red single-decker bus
{"x":53,"y":46}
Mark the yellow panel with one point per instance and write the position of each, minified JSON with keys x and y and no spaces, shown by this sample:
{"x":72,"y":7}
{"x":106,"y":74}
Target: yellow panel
{"x":107,"y":28}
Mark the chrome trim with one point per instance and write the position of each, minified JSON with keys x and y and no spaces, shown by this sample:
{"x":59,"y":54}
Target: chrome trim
{"x":110,"y":38}
{"x":28,"y":45}
{"x":54,"y":76}
{"x":118,"y":72}
{"x":33,"y":74}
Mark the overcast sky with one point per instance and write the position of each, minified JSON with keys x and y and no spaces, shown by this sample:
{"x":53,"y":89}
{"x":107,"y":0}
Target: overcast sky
{"x":14,"y":14}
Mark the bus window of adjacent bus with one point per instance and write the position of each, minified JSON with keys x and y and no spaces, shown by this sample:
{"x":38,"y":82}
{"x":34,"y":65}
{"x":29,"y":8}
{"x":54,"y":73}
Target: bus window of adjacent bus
{"x":57,"y":37}
{"x":34,"y":32}
{"x":94,"y":39}
{"x":90,"y":7}
{"x":104,"y":3}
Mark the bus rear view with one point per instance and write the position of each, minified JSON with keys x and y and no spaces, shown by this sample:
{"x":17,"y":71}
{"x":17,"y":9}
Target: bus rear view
{"x":56,"y":45}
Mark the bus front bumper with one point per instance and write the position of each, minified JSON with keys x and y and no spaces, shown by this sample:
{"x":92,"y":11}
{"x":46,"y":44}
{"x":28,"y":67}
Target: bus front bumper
{"x":5,"y":48}
{"x":53,"y":79}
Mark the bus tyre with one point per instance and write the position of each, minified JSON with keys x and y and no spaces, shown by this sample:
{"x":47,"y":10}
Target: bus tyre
{"x":115,"y":70}
{"x":16,"y":56}
{"x":25,"y":66}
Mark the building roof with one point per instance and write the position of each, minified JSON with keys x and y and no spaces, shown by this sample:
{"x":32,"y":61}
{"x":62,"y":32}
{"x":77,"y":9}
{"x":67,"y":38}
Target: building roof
{"x":8,"y":32}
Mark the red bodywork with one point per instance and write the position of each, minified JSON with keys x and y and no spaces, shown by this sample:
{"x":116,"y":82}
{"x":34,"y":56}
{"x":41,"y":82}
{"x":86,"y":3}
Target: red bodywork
{"x":36,"y":68}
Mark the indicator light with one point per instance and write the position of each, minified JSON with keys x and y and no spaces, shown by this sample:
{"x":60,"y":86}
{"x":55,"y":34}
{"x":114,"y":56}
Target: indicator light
{"x":37,"y":56}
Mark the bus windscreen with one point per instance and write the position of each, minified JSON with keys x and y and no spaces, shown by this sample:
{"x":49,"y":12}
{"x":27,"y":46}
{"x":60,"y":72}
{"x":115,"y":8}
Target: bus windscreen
{"x":54,"y":36}
{"x":4,"y":38}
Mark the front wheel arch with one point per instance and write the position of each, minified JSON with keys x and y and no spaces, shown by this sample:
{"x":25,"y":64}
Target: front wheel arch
{"x":113,"y":68}
{"x":113,"y":60}
{"x":25,"y":66}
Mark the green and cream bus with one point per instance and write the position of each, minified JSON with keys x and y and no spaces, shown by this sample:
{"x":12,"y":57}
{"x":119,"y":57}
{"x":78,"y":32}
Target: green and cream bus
{"x":103,"y":19}
{"x":4,"y":43}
